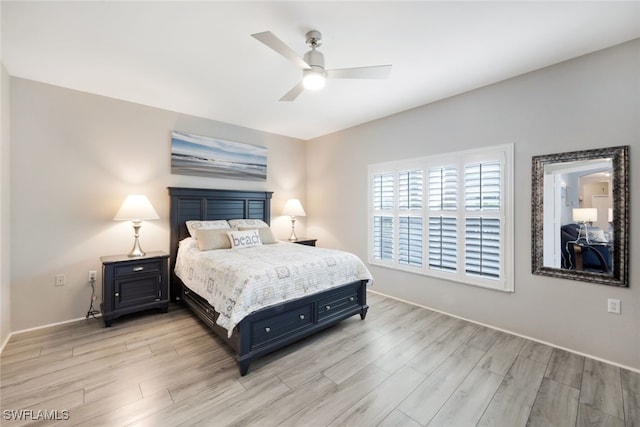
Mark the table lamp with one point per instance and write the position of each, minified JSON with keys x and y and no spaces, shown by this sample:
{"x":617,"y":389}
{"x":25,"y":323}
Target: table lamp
{"x":136,"y":208}
{"x":583,"y":216}
{"x":293,"y":208}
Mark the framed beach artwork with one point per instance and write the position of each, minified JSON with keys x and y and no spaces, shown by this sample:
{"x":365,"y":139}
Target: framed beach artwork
{"x":205,"y":156}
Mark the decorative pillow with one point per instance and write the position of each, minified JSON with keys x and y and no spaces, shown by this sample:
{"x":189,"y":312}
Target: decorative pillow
{"x":266,"y":235}
{"x":192,"y":226}
{"x":252,"y":223}
{"x":596,"y":234}
{"x":212,"y":238}
{"x":244,"y":239}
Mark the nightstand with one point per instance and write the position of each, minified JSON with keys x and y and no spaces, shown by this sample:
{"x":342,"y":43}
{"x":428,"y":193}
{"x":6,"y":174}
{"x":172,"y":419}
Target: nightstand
{"x":304,"y":241}
{"x":131,"y":284}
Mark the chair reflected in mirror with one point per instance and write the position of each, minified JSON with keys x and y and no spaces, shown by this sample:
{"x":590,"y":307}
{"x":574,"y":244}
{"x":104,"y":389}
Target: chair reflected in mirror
{"x":585,"y":248}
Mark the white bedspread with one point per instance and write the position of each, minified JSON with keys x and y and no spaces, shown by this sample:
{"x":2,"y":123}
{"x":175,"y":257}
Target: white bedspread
{"x":238,"y":282}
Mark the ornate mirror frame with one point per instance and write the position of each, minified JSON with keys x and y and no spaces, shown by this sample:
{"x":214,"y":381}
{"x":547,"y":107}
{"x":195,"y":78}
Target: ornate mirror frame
{"x":620,"y":193}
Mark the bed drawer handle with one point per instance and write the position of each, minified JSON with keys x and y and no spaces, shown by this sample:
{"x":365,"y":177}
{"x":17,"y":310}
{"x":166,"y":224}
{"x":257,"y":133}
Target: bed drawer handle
{"x":267,"y":329}
{"x":138,"y":268}
{"x":301,"y":317}
{"x":327,"y":307}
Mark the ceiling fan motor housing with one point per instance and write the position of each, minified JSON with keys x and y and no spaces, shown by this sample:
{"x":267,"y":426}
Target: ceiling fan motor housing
{"x":315,"y":59}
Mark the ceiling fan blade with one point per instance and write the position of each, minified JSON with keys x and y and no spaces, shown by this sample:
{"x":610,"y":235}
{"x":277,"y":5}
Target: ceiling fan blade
{"x":293,"y":93}
{"x":270,"y":39}
{"x":375,"y":72}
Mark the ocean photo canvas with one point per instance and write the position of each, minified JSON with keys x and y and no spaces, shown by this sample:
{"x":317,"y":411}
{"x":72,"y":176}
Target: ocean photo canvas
{"x":206,"y":156}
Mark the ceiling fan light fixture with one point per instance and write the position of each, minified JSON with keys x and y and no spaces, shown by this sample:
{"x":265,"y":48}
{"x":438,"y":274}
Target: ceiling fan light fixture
{"x":313,"y":79}
{"x":313,"y":72}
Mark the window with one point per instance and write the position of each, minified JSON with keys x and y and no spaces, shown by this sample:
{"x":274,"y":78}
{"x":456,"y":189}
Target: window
{"x":448,"y":216}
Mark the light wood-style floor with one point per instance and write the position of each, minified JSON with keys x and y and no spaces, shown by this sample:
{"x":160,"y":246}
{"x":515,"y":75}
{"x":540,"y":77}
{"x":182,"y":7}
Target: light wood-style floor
{"x":402,"y":366}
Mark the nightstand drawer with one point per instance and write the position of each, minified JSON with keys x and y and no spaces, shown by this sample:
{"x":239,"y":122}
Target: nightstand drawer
{"x":286,"y":323}
{"x":140,"y":267}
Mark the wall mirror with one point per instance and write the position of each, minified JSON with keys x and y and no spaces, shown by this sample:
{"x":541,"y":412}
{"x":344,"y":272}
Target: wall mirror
{"x":580,"y":215}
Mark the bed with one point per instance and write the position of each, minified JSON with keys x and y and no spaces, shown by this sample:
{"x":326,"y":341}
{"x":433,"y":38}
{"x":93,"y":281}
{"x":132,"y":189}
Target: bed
{"x":266,"y":329}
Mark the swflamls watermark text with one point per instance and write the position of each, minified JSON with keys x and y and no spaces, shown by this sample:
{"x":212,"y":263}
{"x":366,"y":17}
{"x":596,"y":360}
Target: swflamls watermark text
{"x":35,"y":415}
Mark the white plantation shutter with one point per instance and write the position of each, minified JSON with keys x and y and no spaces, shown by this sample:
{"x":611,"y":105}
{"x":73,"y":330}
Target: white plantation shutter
{"x":410,"y":241}
{"x":410,"y":194}
{"x":482,"y":186}
{"x":383,"y":199}
{"x":445,"y":216}
{"x":443,"y":188}
{"x":482,"y":233}
{"x":383,"y":205}
{"x":383,"y":237}
{"x":443,"y":231}
{"x":443,"y":243}
{"x":482,"y":247}
{"x":410,"y":190}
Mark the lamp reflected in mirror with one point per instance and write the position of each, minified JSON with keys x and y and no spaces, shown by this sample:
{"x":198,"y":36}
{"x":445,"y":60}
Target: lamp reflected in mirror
{"x":584,"y":216}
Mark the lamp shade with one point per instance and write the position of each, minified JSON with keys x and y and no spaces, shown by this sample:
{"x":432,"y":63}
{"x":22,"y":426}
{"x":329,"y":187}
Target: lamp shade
{"x":136,"y":207}
{"x":585,"y":214}
{"x":293,"y":207}
{"x":610,"y":215}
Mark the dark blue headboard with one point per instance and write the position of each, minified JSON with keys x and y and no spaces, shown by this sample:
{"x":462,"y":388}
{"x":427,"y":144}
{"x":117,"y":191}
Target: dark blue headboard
{"x":205,"y":204}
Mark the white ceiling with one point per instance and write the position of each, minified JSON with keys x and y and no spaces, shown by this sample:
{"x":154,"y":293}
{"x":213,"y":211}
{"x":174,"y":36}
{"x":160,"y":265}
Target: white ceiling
{"x":198,"y":57}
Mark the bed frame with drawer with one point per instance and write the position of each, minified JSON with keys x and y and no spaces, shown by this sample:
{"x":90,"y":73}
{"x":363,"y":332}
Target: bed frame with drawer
{"x":271,"y":328}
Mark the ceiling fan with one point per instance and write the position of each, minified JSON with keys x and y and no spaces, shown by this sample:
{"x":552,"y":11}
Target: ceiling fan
{"x":313,"y":71}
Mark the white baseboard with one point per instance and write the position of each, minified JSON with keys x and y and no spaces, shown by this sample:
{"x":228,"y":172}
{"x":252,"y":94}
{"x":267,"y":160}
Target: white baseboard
{"x":4,"y":344}
{"x":511,"y":332}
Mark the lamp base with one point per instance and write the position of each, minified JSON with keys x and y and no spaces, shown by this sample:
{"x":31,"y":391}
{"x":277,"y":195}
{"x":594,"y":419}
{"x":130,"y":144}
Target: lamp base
{"x":293,"y":236}
{"x":136,"y":251}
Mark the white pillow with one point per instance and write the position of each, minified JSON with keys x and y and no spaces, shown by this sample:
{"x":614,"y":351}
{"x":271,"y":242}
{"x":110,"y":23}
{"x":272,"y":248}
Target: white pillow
{"x":596,"y":234}
{"x":212,"y":238}
{"x":193,"y":225}
{"x":244,"y":239}
{"x":253,"y":223}
{"x":266,"y":235}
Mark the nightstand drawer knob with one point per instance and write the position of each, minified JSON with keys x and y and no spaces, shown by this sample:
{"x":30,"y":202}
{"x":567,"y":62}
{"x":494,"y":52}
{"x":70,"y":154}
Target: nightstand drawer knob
{"x":351,"y":298}
{"x":327,"y":307}
{"x":267,"y":329}
{"x":138,"y":268}
{"x":117,"y":294}
{"x":301,"y":317}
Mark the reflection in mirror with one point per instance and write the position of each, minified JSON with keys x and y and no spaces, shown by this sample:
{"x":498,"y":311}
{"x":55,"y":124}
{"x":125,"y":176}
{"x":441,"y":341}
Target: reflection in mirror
{"x":576,"y":201}
{"x":580,"y":215}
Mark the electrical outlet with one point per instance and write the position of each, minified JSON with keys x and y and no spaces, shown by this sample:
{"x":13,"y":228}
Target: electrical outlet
{"x":613,"y":305}
{"x":92,"y":275}
{"x":60,"y":279}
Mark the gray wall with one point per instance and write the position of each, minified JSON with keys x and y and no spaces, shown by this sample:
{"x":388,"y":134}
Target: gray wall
{"x":5,"y":207}
{"x":589,"y":102}
{"x":74,"y":158}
